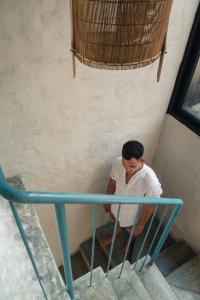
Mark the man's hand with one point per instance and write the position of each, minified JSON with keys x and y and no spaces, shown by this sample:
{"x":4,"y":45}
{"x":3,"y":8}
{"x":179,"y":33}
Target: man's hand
{"x":138,"y":230}
{"x":111,"y":187}
{"x":107,"y":207}
{"x":147,"y":212}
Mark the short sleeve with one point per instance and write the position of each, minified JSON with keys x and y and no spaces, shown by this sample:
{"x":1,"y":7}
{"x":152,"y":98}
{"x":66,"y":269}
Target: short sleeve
{"x":154,"y":190}
{"x":115,"y":169}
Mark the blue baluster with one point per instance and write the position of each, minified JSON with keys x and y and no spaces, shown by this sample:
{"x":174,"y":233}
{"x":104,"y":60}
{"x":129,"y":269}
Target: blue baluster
{"x":156,"y":233}
{"x":64,"y":242}
{"x":93,"y":242}
{"x":127,"y":248}
{"x":165,"y":233}
{"x":113,"y":240}
{"x":147,"y":233}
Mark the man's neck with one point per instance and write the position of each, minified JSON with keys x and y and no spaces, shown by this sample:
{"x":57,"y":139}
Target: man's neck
{"x":129,"y":176}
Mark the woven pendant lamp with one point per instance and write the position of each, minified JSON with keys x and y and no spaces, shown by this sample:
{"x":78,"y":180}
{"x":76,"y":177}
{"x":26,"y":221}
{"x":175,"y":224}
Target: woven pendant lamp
{"x":119,"y":34}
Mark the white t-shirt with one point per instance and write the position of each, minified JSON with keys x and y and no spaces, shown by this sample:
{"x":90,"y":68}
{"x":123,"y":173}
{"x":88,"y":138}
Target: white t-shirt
{"x":143,"y":183}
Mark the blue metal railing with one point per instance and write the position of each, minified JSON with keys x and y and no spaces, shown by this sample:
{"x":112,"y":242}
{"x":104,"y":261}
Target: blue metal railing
{"x":93,"y":242}
{"x":60,"y":199}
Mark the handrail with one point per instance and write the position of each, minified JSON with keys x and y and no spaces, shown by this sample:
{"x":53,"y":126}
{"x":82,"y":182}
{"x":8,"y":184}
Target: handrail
{"x":20,"y":196}
{"x":60,"y":199}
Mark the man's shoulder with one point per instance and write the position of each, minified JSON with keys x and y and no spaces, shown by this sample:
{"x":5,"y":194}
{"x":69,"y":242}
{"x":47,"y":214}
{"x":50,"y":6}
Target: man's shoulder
{"x":116,"y":168}
{"x":150,"y":175}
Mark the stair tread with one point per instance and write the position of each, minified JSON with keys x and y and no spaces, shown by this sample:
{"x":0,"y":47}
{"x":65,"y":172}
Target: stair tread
{"x":154,"y":282}
{"x":139,"y":240}
{"x":187,"y":276}
{"x":120,"y":243}
{"x":185,"y":295}
{"x":100,"y":259}
{"x":129,"y":286}
{"x":101,"y":288}
{"x":173,"y":257}
{"x":107,"y":230}
{"x":79,"y":267}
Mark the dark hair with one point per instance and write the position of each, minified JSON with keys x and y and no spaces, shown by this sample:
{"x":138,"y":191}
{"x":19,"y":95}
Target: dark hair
{"x":132,"y":149}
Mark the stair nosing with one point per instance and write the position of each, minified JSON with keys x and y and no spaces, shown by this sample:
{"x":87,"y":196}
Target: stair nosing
{"x":165,"y":258}
{"x":169,"y":289}
{"x":131,"y":272}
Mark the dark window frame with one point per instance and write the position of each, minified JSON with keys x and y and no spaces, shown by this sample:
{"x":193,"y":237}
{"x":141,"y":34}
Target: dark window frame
{"x":185,"y":74}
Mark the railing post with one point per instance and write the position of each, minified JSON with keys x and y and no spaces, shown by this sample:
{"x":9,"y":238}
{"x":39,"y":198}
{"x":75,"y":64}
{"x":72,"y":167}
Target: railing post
{"x":165,"y":233}
{"x":64,"y":242}
{"x":154,"y":238}
{"x":113,"y":240}
{"x":93,"y":242}
{"x":146,"y":235}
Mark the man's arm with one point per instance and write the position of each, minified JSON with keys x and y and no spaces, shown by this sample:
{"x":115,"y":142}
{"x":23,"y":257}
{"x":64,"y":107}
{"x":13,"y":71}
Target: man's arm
{"x":154,"y":190}
{"x":111,"y":187}
{"x":110,"y":191}
{"x":146,"y":214}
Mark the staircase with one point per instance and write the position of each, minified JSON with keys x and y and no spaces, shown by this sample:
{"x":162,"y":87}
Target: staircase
{"x":175,"y":276}
{"x":149,"y":284}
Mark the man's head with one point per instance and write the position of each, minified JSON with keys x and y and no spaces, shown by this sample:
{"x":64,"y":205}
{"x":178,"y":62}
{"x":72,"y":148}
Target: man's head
{"x":132,"y":156}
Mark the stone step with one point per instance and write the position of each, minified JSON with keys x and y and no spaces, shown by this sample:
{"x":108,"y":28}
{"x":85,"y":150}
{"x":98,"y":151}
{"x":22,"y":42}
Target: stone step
{"x":101,"y":288}
{"x":129,"y":285}
{"x":187,"y":276}
{"x":139,"y":240}
{"x":120,"y":243}
{"x":100,"y":259}
{"x":79,"y":267}
{"x":154,"y":282}
{"x":173,"y":257}
{"x":185,"y":295}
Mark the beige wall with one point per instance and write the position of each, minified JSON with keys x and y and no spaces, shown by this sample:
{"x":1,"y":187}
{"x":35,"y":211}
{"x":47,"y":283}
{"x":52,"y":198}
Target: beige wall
{"x":61,"y":134}
{"x":177,"y":164}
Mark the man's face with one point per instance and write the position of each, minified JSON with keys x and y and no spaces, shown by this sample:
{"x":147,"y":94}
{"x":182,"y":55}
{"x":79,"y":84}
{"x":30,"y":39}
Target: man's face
{"x":133,"y":165}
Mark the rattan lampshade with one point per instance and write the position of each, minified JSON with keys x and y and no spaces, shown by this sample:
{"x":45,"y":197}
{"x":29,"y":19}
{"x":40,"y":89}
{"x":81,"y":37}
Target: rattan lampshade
{"x":119,"y":34}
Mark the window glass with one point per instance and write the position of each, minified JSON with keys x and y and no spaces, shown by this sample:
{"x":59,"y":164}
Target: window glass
{"x":192,"y":100}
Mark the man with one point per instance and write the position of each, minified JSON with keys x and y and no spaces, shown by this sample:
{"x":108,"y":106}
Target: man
{"x":132,"y":177}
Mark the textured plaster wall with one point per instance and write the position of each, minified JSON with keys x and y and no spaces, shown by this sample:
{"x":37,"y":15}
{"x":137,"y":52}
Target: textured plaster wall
{"x":177,"y":163}
{"x":61,"y":134}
